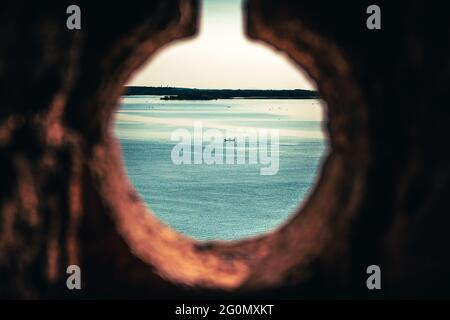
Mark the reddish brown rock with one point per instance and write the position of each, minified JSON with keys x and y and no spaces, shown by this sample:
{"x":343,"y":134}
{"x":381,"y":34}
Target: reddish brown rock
{"x":382,"y":197}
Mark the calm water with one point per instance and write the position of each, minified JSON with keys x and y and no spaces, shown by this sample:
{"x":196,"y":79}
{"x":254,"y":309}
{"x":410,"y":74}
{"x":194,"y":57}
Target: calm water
{"x":220,"y":201}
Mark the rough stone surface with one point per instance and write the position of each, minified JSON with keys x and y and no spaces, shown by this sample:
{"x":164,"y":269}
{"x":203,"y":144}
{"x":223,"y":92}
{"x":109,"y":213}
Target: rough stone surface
{"x":382,"y":197}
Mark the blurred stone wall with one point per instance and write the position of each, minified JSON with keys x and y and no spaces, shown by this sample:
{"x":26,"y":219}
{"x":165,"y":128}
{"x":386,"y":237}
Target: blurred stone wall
{"x":382,"y":198}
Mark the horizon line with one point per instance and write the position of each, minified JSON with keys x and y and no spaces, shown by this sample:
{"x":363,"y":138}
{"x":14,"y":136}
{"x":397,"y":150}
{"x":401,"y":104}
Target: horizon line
{"x":170,"y":87}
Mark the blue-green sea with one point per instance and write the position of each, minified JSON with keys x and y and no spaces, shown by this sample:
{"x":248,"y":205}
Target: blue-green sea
{"x":220,"y":201}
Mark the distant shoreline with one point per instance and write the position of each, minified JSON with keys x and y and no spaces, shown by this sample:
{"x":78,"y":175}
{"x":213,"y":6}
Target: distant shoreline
{"x":172,"y":93}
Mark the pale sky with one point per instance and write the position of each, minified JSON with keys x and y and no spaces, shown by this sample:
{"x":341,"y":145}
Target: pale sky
{"x":221,"y":56}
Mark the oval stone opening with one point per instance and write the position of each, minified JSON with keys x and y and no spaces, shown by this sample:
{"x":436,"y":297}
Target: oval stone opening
{"x":222,"y":137}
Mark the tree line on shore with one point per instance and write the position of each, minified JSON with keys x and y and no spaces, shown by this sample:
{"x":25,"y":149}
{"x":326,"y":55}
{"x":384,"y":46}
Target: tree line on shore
{"x":172,"y":93}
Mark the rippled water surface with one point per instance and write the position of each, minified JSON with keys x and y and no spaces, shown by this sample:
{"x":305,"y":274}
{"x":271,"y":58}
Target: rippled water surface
{"x":227,"y":201}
